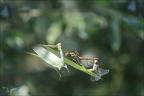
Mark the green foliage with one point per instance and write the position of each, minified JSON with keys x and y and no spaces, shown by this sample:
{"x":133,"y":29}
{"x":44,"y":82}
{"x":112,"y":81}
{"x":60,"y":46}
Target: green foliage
{"x":112,"y":30}
{"x":67,"y":61}
{"x":70,"y":63}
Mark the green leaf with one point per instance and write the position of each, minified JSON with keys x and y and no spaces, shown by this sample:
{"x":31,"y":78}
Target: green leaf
{"x":43,"y":55}
{"x":48,"y":57}
{"x":54,"y":32}
{"x":116,"y":36}
{"x":69,"y":62}
{"x":58,"y":46}
{"x":32,"y":54}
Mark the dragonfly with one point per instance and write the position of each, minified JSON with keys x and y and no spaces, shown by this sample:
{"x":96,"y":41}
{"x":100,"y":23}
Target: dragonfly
{"x":74,"y":56}
{"x":98,"y":71}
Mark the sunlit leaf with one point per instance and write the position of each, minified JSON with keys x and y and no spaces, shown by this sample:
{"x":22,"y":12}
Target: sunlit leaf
{"x":32,"y":54}
{"x":69,"y":62}
{"x":53,"y":32}
{"x":48,"y":57}
{"x":58,"y":46}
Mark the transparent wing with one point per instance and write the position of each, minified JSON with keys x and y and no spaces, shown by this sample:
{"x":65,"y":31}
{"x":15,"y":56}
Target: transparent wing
{"x":99,"y":72}
{"x":95,"y":78}
{"x":98,"y":77}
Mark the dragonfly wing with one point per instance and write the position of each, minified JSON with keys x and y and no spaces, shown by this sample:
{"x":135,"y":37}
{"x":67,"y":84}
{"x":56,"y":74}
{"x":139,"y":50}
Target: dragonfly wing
{"x":99,"y":73}
{"x":98,"y":77}
{"x":92,"y":79}
{"x":95,"y":78}
{"x":102,"y":71}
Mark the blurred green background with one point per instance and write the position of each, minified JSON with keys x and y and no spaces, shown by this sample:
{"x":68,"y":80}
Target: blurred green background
{"x":111,"y":30}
